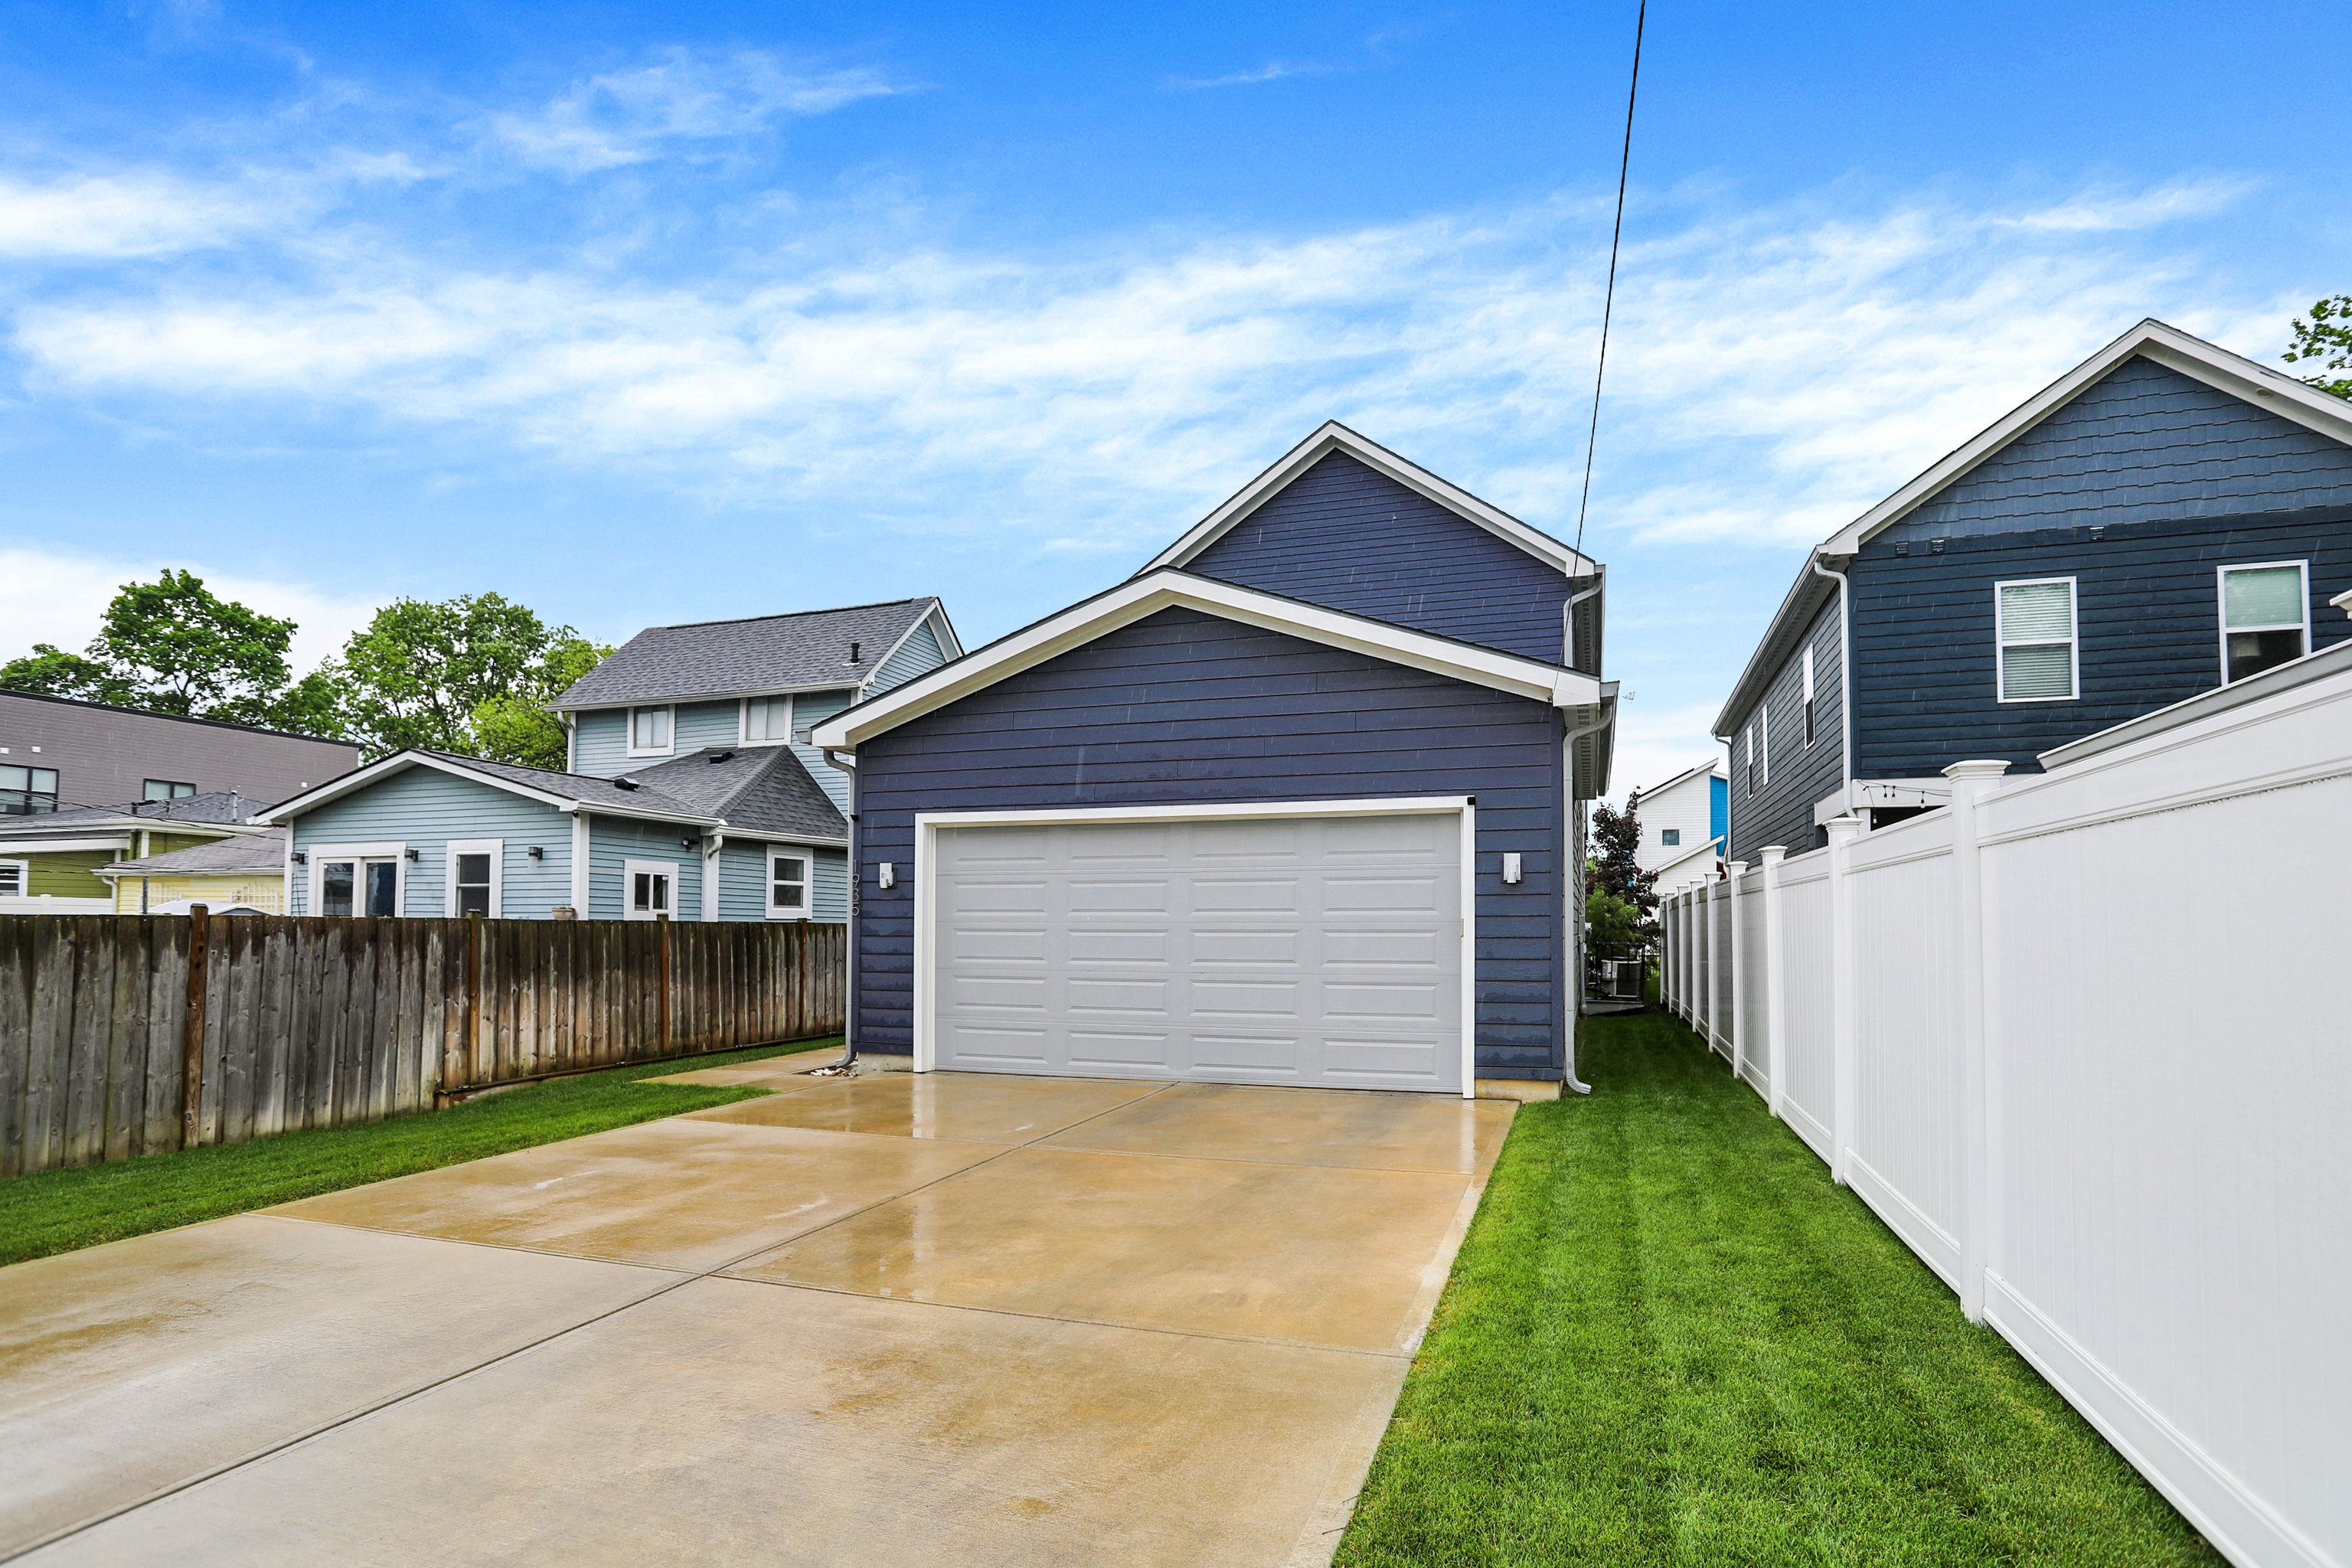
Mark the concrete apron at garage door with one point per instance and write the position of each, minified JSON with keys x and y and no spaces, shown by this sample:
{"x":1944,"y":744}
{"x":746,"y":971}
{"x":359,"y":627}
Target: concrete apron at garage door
{"x":946,"y":1318}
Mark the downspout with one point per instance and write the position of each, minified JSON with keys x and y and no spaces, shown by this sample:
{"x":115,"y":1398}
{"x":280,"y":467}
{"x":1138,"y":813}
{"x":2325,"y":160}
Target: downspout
{"x":1568,"y":620}
{"x":1572,"y":890}
{"x":1845,"y":688}
{"x":847,"y":763}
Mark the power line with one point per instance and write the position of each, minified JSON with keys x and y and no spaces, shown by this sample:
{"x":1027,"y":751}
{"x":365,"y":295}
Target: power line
{"x":1609,"y":300}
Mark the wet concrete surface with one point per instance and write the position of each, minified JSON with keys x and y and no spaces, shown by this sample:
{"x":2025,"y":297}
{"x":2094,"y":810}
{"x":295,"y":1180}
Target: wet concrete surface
{"x":902,"y":1321}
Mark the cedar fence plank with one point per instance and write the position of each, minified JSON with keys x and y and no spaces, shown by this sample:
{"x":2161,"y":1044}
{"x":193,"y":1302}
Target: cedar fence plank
{"x":15,"y":1035}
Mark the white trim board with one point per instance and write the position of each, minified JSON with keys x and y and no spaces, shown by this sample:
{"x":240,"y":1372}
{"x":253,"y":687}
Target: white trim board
{"x":1147,"y":596}
{"x":495,"y":848}
{"x":925,"y":869}
{"x":1335,"y":436}
{"x":319,"y":854}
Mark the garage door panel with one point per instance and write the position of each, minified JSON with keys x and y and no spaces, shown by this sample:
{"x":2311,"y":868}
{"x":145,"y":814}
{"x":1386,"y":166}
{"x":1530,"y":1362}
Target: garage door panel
{"x":1297,"y":950}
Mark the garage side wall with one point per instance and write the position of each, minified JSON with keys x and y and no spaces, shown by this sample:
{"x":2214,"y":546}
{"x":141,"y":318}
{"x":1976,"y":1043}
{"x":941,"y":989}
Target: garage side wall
{"x":1183,"y":707}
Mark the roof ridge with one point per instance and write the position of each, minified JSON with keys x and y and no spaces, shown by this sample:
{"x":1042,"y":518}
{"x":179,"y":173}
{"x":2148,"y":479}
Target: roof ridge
{"x":790,"y":614}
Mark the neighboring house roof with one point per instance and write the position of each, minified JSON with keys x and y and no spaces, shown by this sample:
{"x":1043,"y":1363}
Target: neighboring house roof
{"x":2271,"y":391}
{"x":222,"y":857}
{"x":1709,"y":766}
{"x":175,"y":718}
{"x":1335,"y":436}
{"x":1591,"y":702}
{"x":1690,"y":863}
{"x":767,"y":784}
{"x":799,"y":652}
{"x":223,"y":809}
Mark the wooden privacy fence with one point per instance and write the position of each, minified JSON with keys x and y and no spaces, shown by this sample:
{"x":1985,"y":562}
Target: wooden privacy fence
{"x":124,"y":1035}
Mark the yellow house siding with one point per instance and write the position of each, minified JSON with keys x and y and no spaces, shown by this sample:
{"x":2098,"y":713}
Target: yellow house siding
{"x":266,"y":894}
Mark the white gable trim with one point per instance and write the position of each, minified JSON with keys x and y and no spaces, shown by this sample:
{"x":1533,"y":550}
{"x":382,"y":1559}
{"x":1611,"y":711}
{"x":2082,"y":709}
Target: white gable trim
{"x":1335,"y":436}
{"x":1140,"y":596}
{"x":2269,"y":390}
{"x":401,"y":762}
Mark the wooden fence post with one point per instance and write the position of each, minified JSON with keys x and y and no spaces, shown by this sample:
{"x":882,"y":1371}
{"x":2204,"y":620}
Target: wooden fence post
{"x":192,"y":1032}
{"x":661,"y":972}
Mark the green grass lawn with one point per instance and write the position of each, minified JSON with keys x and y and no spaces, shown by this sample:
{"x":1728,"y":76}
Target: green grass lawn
{"x":1670,"y":1340}
{"x":58,"y":1211}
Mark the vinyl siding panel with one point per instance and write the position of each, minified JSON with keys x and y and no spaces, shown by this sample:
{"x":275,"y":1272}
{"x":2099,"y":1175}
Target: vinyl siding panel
{"x":600,"y":747}
{"x":425,"y":808}
{"x":65,"y":875}
{"x":2144,"y":444}
{"x":2148,"y":616}
{"x":1342,"y":535}
{"x":1184,"y":707}
{"x":614,"y":840}
{"x":918,"y":653}
{"x":1688,"y":809}
{"x":813,"y":707}
{"x":744,"y":885}
{"x":600,"y":743}
{"x":1778,"y":809}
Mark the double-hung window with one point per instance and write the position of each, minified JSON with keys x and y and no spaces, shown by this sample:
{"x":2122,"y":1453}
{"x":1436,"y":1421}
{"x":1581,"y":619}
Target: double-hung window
{"x":27,"y":792}
{"x":649,"y":731}
{"x":167,"y":789}
{"x":474,"y":868}
{"x":767,"y":720}
{"x":1751,"y":759}
{"x":2265,"y":616}
{"x":788,"y":886}
{"x":1809,"y":694}
{"x":2036,"y":645}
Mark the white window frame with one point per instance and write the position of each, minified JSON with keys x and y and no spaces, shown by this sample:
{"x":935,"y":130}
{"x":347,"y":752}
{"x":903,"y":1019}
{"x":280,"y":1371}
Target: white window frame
{"x":495,"y":848}
{"x":1670,"y":837}
{"x":629,"y":869}
{"x":629,"y":736}
{"x":24,"y":869}
{"x":320,"y":854}
{"x":1749,"y":769}
{"x":1764,"y":743}
{"x":807,"y":857}
{"x":2221,"y":607}
{"x":926,"y":892}
{"x":743,"y":718}
{"x":2073,"y":641}
{"x":1809,"y":694}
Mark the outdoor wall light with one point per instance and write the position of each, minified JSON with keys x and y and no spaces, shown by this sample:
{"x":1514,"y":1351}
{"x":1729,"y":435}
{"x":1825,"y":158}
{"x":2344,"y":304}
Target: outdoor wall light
{"x":1513,"y":872}
{"x":886,"y":875}
{"x":299,"y":858}
{"x":686,"y":843}
{"x":413,"y":855}
{"x":537,"y":852}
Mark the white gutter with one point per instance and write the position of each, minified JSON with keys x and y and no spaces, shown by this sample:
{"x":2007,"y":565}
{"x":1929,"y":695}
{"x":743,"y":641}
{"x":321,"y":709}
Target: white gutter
{"x":1573,"y":890}
{"x":1845,"y":678}
{"x":1568,"y":619}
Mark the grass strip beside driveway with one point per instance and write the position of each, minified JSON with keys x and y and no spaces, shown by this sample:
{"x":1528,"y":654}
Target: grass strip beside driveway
{"x":1669,"y":1339}
{"x":60,"y":1211}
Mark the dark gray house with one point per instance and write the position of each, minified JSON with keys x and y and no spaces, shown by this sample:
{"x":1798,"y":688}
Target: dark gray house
{"x":61,"y":753}
{"x":2164,"y":519}
{"x":1297,"y":804}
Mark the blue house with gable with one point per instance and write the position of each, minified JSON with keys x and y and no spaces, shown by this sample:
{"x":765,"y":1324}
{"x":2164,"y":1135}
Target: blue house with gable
{"x":691,"y":793}
{"x":1300,"y":803}
{"x":2166,"y":518}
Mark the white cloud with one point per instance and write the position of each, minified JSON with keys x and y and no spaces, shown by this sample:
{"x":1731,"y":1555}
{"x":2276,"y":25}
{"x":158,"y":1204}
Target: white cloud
{"x":632,"y":116}
{"x":120,"y":216}
{"x":49,"y":596}
{"x":1273,"y":70}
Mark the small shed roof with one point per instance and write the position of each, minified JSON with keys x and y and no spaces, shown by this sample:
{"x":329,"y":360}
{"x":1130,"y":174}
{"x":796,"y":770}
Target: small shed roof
{"x":246,"y":853}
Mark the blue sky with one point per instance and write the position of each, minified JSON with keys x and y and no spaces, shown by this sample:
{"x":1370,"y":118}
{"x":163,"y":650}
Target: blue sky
{"x":647,"y":314}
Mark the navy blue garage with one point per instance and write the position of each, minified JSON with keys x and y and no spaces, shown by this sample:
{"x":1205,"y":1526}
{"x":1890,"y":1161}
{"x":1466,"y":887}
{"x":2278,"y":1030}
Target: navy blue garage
{"x":1297,"y":804}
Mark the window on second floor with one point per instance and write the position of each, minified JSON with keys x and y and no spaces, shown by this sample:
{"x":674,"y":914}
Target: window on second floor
{"x":167,"y":789}
{"x":1671,"y":837}
{"x":649,"y":731}
{"x":1809,"y":695}
{"x":767,"y":719}
{"x":27,"y":792}
{"x":2265,"y":618}
{"x":2034,"y":630}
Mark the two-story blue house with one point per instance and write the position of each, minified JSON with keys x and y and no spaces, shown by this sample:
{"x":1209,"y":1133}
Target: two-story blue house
{"x":2166,"y":518}
{"x":691,"y":790}
{"x":1299,"y":803}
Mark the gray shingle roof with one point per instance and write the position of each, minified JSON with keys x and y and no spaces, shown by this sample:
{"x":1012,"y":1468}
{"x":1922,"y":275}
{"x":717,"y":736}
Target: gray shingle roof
{"x":596,"y":792}
{"x":218,"y":805}
{"x":764,"y":653}
{"x":756,"y":789}
{"x":263,"y":851}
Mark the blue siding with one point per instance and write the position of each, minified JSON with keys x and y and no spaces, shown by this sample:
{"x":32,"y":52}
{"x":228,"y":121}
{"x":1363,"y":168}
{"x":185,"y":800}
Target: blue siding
{"x":813,"y":708}
{"x":918,"y":653}
{"x":1719,"y":808}
{"x":614,"y":840}
{"x":2148,"y":616}
{"x":2144,"y":444}
{"x":1779,"y":809}
{"x":425,"y":808}
{"x":1184,"y":707}
{"x":743,"y":886}
{"x":1342,"y":535}
{"x":600,"y":746}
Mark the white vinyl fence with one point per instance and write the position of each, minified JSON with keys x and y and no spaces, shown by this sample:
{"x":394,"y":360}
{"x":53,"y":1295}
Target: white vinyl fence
{"x":2081,"y":1038}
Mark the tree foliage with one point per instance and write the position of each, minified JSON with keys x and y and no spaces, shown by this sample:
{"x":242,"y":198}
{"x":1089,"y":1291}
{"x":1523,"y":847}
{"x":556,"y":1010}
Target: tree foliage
{"x":2326,"y":337}
{"x":419,"y":672}
{"x":1616,"y":928}
{"x":173,"y":646}
{"x":516,"y":726}
{"x":1616,"y":839}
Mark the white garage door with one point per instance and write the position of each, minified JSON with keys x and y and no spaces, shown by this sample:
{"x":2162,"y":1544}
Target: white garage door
{"x":1312,"y":951}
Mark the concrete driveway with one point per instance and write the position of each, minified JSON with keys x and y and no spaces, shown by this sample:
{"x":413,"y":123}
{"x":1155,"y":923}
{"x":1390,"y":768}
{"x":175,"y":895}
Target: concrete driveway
{"x":947,"y":1320}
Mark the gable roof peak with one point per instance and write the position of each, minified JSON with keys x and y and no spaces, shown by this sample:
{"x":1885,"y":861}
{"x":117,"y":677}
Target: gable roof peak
{"x":1333,"y":436}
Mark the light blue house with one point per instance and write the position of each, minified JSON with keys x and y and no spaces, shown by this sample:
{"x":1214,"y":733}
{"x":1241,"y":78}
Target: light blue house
{"x":692,"y":790}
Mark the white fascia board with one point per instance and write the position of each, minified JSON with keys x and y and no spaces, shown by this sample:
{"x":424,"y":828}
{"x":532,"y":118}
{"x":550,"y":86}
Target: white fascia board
{"x":1712,"y":851}
{"x":846,"y":684}
{"x":1335,"y":436}
{"x":1139,"y":596}
{"x":1710,"y":767}
{"x":2169,"y":346}
{"x":15,"y":848}
{"x":778,"y":836}
{"x":950,"y":645}
{"x":949,"y":648}
{"x":1197,"y":810}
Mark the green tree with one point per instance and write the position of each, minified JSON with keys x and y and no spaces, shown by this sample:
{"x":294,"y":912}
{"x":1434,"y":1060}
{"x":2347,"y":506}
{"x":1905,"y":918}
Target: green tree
{"x":2327,"y":338}
{"x":175,"y":647}
{"x":420,"y":672}
{"x":517,"y":727}
{"x":1616,"y":839}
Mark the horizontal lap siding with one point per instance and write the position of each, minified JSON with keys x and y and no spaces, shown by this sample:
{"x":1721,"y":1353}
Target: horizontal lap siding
{"x":918,"y":653}
{"x":2147,"y":615}
{"x":1779,"y":809}
{"x":743,"y":880}
{"x":1345,"y":536}
{"x":1184,"y":707}
{"x":614,"y":841}
{"x":600,"y":742}
{"x":813,"y":707}
{"x":425,"y":808}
